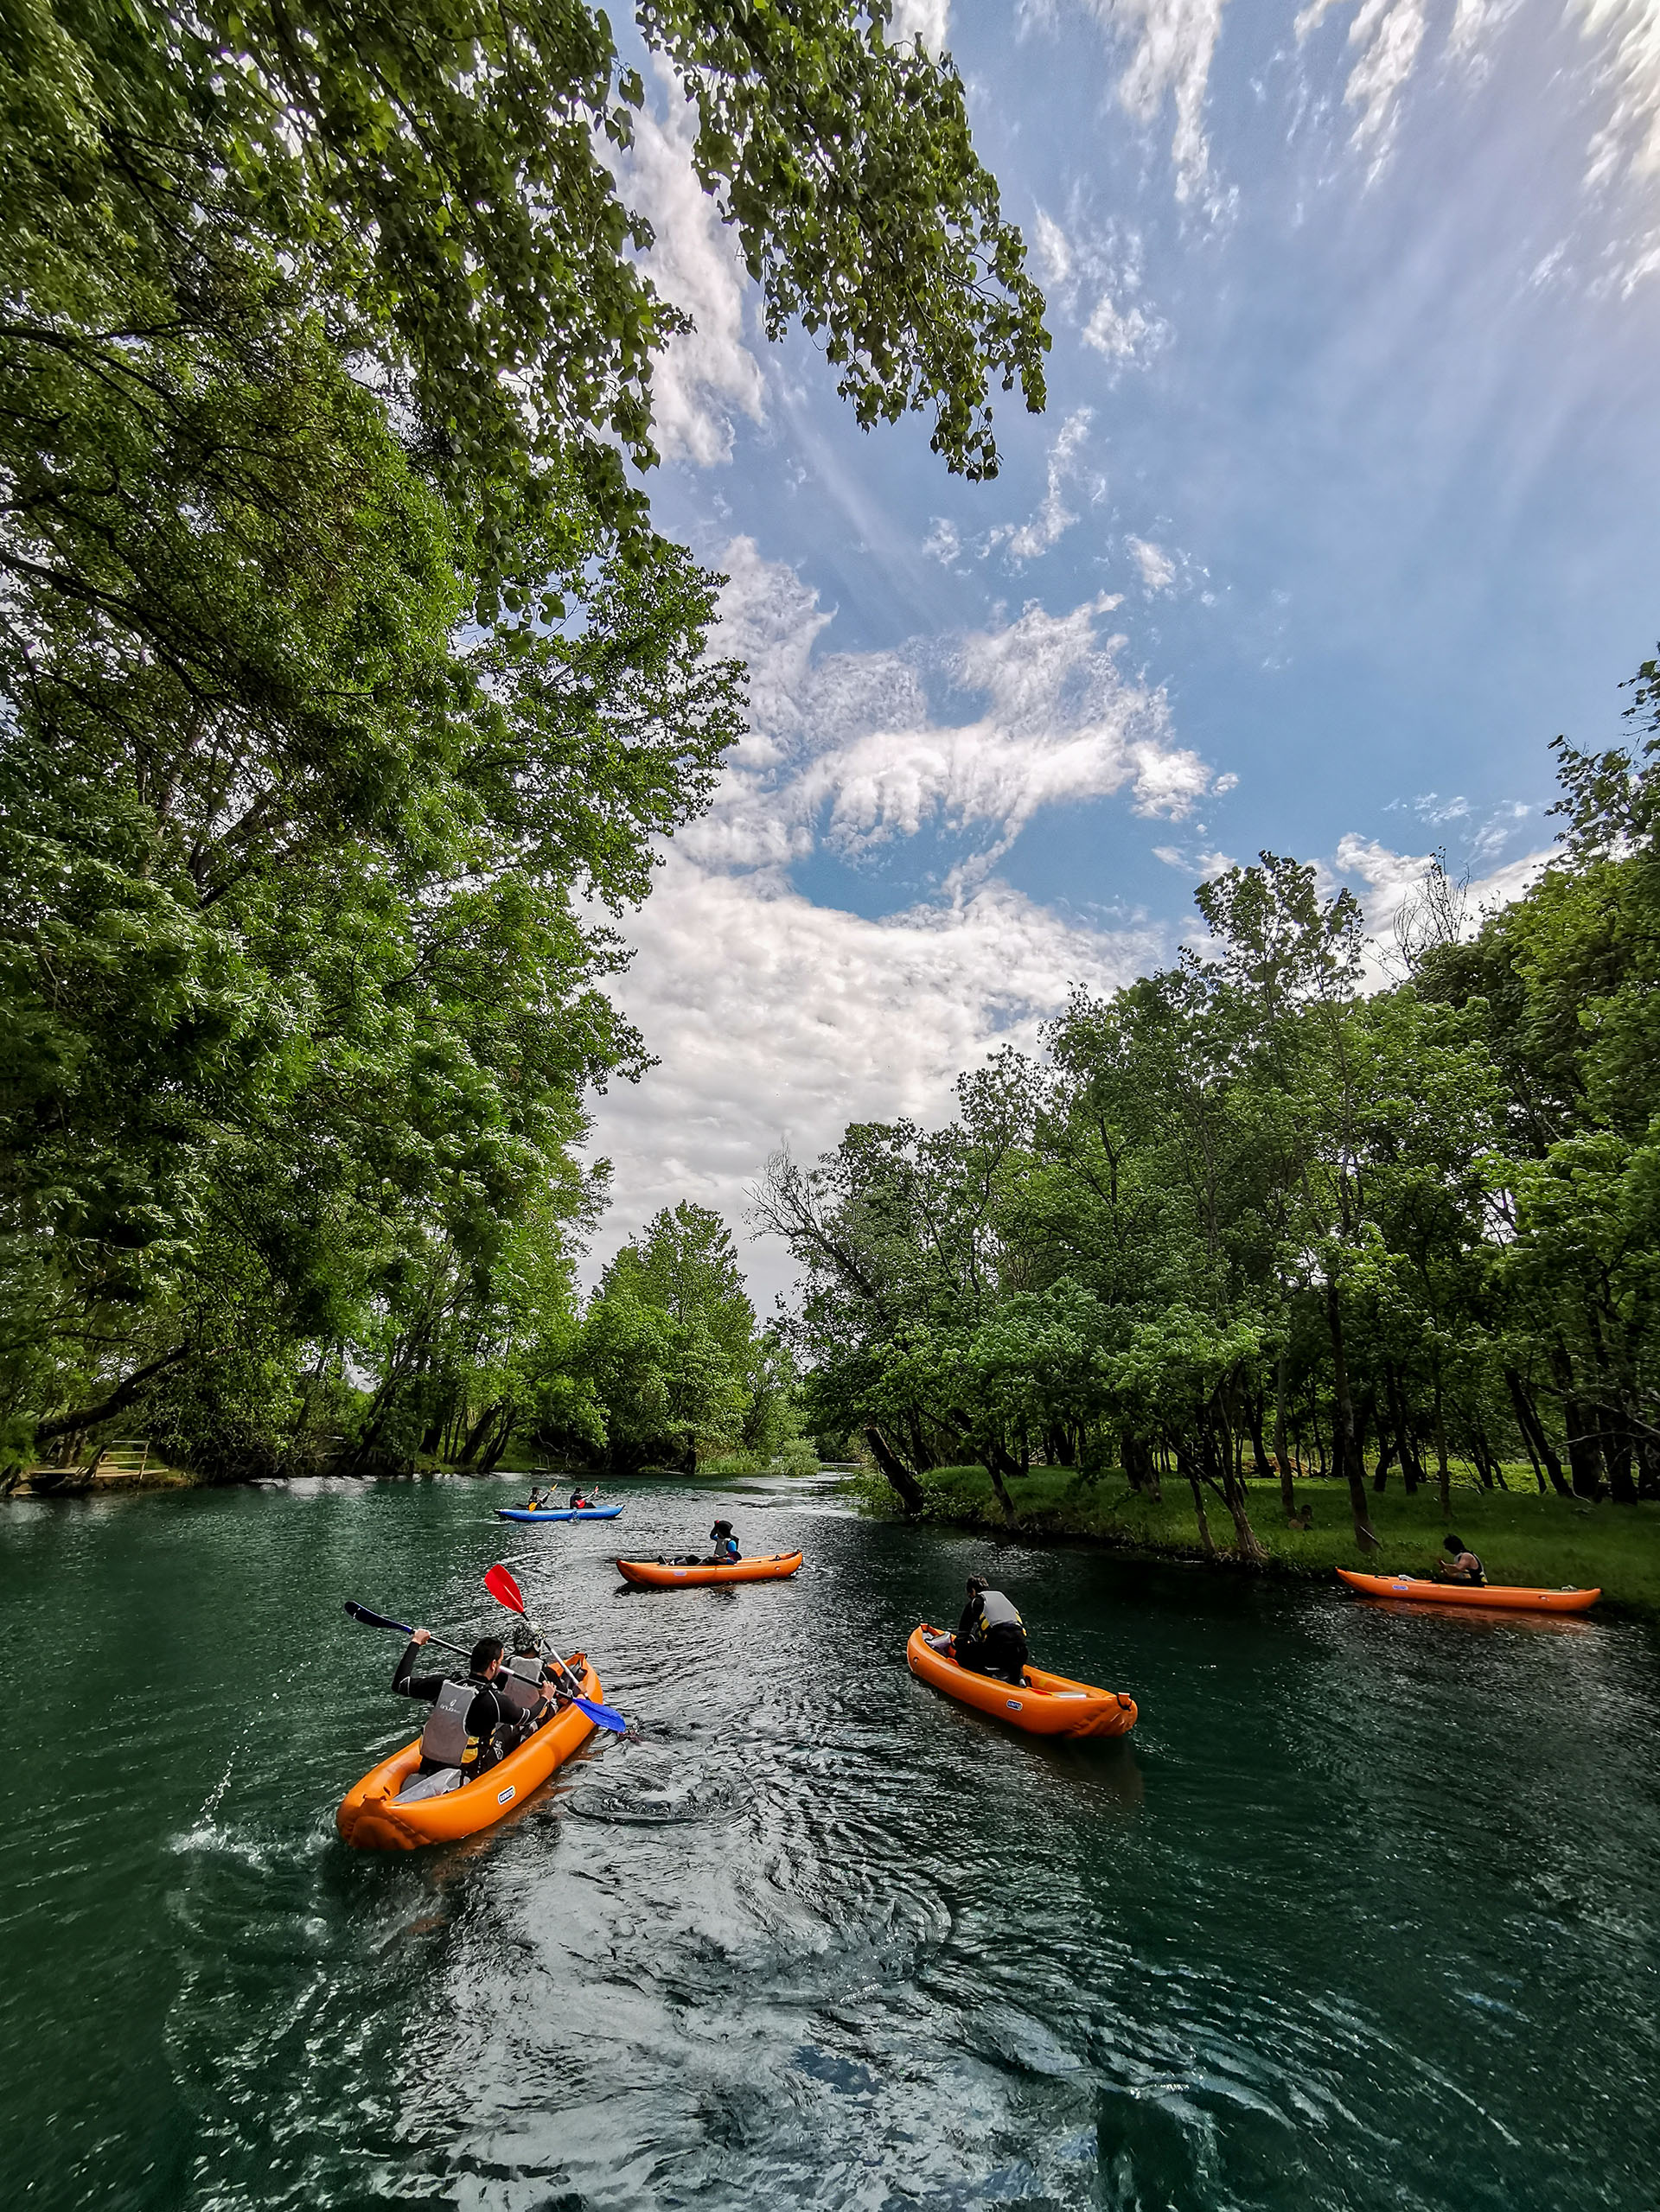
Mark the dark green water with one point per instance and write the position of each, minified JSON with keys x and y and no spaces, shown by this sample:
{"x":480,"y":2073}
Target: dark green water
{"x":1364,"y":1915}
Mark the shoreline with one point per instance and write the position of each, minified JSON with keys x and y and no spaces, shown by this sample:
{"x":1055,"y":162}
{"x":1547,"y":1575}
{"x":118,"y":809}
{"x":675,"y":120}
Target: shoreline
{"x":1527,"y":1541}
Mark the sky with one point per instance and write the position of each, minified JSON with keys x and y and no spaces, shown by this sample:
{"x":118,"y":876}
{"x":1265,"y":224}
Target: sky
{"x":1343,"y":506}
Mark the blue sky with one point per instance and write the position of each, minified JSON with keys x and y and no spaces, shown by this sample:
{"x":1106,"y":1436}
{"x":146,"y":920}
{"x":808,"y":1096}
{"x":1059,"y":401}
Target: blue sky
{"x":1342,"y":507}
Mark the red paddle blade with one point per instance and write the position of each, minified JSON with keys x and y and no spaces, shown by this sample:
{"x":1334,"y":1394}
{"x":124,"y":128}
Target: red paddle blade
{"x":505,"y":1591}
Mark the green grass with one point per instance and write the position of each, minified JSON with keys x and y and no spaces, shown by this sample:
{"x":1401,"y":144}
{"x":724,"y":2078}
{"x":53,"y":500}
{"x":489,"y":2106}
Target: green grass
{"x":1522,"y":1537}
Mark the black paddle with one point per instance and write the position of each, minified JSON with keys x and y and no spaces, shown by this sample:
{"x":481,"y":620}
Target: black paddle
{"x":379,"y":1620}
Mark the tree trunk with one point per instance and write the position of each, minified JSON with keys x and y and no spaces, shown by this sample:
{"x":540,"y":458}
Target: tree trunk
{"x":1443,"y":1473}
{"x":1184,"y":1464}
{"x":894,"y":1470}
{"x":1282,"y":1457}
{"x":90,"y":1417}
{"x":1348,"y":1447}
{"x":1412,"y":1472}
{"x":1381,"y":1473}
{"x":1233,"y":1495}
{"x":502,"y":1438}
{"x":997,"y":1462}
{"x":1527,"y":1416}
{"x":479,"y":1430}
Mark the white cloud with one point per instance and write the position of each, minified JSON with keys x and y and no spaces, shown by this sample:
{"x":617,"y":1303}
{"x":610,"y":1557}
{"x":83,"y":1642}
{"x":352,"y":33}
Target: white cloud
{"x":1029,"y":541}
{"x":1175,"y":41}
{"x":1390,"y":33}
{"x":1629,"y":75}
{"x":775,"y":1020}
{"x":1104,"y":265}
{"x":943,"y":542}
{"x":703,"y":378}
{"x":1201,"y":866}
{"x":1390,"y":879}
{"x":926,"y":21}
{"x":1158,"y":570}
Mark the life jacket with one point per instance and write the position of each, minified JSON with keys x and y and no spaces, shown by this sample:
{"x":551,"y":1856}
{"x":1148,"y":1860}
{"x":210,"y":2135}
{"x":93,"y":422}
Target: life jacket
{"x":446,"y":1740}
{"x":997,"y":1611}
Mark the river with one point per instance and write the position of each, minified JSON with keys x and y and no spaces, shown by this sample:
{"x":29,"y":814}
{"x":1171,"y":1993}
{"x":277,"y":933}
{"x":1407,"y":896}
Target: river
{"x":1363,"y":1915}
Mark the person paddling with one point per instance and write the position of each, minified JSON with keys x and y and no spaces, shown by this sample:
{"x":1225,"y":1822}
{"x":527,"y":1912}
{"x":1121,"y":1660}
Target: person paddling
{"x":1465,"y":1566}
{"x":489,"y":1715}
{"x":580,"y":1501}
{"x":991,"y":1636}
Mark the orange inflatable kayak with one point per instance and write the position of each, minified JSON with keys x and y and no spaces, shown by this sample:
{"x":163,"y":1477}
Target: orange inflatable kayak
{"x":667,"y":1574}
{"x":369,"y":1819}
{"x":1044,"y":1704}
{"x":1510,"y":1598}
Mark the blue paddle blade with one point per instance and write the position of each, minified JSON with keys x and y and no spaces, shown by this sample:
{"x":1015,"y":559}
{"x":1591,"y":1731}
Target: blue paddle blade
{"x":602,"y":1714}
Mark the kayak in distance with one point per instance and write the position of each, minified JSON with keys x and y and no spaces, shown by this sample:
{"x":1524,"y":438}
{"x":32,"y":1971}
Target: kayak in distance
{"x":556,"y":1513}
{"x":1044,"y":1705}
{"x":687,"y":1574}
{"x":370,"y":1818}
{"x":1508,"y":1598}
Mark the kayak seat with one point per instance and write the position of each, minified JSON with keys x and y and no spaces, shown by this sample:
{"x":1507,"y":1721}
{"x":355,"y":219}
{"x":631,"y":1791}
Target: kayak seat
{"x":420,"y":1785}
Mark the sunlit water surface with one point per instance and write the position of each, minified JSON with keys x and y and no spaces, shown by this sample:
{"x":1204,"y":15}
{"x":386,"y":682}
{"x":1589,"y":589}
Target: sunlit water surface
{"x":1363,"y":1915}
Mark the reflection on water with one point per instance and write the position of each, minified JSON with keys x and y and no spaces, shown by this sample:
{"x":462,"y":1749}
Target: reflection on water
{"x":1361,"y":1916}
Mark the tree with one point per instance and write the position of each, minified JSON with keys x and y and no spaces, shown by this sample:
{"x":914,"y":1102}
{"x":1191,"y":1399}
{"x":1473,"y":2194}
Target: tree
{"x":343,"y":670}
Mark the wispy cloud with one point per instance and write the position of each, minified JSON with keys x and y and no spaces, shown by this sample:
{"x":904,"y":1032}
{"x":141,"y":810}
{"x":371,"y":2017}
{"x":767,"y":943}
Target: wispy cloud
{"x":1157,"y":569}
{"x":1030,"y":541}
{"x":1094,"y":275}
{"x":847,"y":750}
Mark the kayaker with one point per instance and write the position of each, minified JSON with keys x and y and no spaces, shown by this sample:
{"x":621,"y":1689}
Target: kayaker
{"x":726,"y":1551}
{"x":538,"y":1500}
{"x":490,"y":1726}
{"x":991,"y":1636}
{"x":579,"y":1501}
{"x":1465,"y":1566}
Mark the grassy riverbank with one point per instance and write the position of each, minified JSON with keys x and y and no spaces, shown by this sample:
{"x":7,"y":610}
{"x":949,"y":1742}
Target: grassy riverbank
{"x":1522,"y":1537}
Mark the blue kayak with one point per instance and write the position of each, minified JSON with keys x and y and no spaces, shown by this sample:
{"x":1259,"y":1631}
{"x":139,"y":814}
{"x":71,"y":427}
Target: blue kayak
{"x":558,"y":1513}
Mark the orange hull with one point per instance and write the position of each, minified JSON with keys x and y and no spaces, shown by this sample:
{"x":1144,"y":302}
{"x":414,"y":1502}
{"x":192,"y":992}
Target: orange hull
{"x":1508,"y":1598}
{"x":1047,"y":1705}
{"x":369,"y":1820}
{"x":657,"y":1574}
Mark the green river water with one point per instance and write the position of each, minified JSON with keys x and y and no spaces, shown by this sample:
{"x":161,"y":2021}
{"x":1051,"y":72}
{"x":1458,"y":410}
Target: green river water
{"x":1363,"y":1913}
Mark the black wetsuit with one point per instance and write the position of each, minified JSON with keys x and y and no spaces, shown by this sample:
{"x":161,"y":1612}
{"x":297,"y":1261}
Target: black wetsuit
{"x":992,"y":1637}
{"x":488,"y":1711}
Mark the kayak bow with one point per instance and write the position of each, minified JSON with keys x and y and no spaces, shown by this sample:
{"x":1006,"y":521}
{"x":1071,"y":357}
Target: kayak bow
{"x":370,"y":1820}
{"x":1044,"y":1704}
{"x":666,"y":1574}
{"x":1508,"y":1598}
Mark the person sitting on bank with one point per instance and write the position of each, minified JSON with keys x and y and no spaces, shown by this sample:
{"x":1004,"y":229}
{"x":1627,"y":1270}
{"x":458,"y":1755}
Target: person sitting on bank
{"x":991,"y":1636}
{"x":490,"y":1728}
{"x":727,"y":1552}
{"x":1465,"y":1566}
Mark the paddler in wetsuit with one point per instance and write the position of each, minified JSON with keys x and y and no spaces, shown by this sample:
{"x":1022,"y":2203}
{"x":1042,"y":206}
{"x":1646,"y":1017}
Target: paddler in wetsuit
{"x":1465,"y":1566}
{"x":488,"y":1713}
{"x":991,"y":1636}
